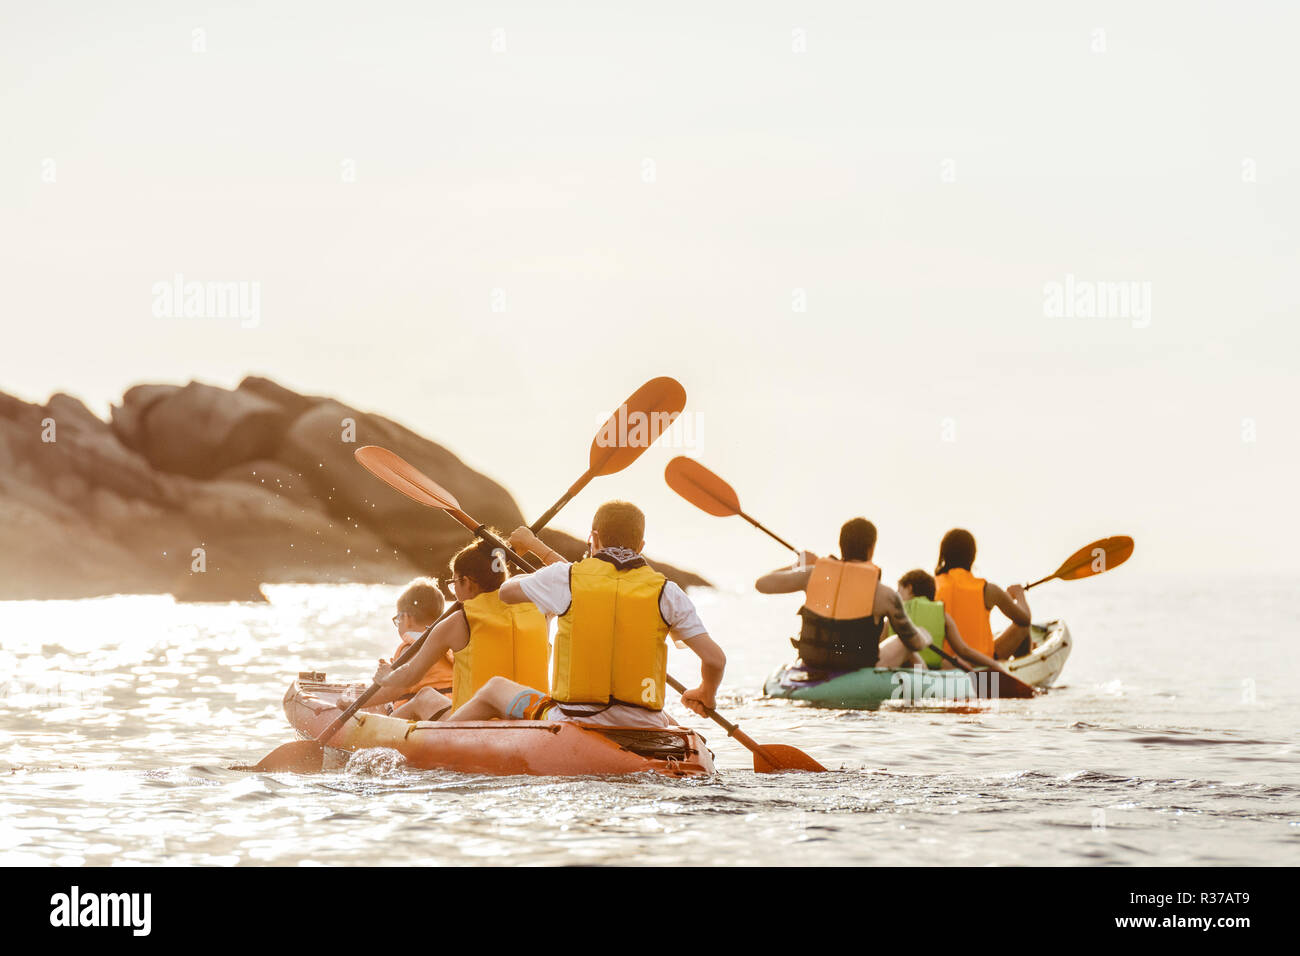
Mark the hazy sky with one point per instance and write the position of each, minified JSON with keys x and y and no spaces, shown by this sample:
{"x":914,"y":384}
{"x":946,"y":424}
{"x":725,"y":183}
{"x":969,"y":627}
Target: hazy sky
{"x":835,"y":223}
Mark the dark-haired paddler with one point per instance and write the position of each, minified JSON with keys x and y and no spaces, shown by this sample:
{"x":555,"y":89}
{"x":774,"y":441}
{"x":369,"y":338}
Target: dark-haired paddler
{"x":846,"y":606}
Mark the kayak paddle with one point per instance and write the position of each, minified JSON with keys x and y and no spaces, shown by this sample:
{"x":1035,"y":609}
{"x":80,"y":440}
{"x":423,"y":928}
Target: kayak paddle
{"x":308,"y":756}
{"x":626,"y":434}
{"x":1095,"y":558}
{"x":407,"y":479}
{"x":768,"y":758}
{"x":1015,"y":687}
{"x":401,"y":475}
{"x":416,"y":485}
{"x":709,"y":493}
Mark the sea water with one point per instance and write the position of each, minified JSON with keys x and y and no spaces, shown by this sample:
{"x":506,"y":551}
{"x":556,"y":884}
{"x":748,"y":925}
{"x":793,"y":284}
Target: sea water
{"x":1171,"y":739}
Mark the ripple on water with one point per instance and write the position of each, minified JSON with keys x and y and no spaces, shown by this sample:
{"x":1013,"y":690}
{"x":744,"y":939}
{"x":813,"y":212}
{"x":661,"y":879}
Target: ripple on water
{"x":140,"y":720}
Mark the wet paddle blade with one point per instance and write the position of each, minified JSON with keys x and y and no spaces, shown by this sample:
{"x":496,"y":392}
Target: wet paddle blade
{"x":636,"y":424}
{"x":301,"y":756}
{"x":1014,"y":689}
{"x":402,"y":476}
{"x":701,"y":487}
{"x":784,"y":758}
{"x":1096,"y":558}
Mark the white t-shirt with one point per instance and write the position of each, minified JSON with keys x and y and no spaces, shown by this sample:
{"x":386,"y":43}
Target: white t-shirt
{"x":549,"y":590}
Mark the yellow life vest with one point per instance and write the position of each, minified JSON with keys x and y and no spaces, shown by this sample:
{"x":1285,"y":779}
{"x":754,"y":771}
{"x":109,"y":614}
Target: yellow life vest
{"x":505,"y":640}
{"x":963,"y":595}
{"x":611,"y":644}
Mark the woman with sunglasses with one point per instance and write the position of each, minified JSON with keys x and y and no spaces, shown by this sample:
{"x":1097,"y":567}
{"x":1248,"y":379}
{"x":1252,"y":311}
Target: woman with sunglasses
{"x":487,"y":639}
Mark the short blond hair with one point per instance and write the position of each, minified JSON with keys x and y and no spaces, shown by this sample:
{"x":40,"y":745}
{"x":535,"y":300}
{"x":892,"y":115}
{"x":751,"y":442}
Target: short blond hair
{"x":620,"y":524}
{"x":422,"y":600}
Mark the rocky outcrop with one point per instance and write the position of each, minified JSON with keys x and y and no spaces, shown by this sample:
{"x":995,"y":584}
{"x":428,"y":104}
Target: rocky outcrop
{"x":200,"y":430}
{"x":206,"y":493}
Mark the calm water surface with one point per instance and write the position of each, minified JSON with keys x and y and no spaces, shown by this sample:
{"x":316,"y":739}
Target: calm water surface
{"x":1171,"y":741}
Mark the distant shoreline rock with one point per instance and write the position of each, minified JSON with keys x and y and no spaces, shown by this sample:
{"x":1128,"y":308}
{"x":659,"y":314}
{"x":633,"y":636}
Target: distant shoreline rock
{"x":207,"y":493}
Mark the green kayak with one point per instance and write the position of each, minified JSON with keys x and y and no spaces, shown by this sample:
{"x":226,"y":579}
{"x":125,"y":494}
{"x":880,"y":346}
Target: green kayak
{"x":872,"y":686}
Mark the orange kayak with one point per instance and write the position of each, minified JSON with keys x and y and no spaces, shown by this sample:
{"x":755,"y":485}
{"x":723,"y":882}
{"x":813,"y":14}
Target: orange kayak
{"x":506,"y":747}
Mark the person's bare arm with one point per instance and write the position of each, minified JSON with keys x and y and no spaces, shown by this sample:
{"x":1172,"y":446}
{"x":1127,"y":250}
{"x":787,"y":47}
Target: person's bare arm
{"x":451,"y":634}
{"x":959,"y":648}
{"x":1011,"y":602}
{"x":788,"y":579}
{"x":512,"y":592}
{"x":713,"y":662}
{"x":522,"y":540}
{"x":890,"y":604}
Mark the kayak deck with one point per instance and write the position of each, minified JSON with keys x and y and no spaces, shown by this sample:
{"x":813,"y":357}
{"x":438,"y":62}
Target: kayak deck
{"x":871,"y":687}
{"x":502,"y":747}
{"x":1050,"y":646}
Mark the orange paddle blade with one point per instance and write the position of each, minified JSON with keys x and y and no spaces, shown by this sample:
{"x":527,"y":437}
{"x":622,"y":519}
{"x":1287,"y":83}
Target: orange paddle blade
{"x":1096,"y":558}
{"x":636,"y":424}
{"x":401,"y":475}
{"x":301,"y":756}
{"x":786,"y":758}
{"x":701,"y":487}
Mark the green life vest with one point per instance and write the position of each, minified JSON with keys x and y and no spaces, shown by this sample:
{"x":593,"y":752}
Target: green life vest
{"x":930,"y":615}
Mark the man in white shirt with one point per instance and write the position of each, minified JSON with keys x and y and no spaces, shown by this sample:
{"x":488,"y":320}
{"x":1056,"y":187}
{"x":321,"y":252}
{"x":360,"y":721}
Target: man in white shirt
{"x":615,"y":615}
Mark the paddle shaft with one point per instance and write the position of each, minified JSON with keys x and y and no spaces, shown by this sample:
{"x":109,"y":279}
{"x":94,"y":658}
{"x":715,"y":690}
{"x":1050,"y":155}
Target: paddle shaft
{"x":568,"y":496}
{"x":731,"y":729}
{"x":770,"y":533}
{"x":954,"y":661}
{"x":412,"y":649}
{"x":482,"y":531}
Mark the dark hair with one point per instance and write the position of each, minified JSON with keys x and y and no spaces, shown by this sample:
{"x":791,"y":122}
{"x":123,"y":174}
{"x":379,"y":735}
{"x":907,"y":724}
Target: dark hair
{"x":956,"y":550}
{"x":919,"y":583}
{"x":857,"y":538}
{"x":482,"y":563}
{"x":422,"y":600}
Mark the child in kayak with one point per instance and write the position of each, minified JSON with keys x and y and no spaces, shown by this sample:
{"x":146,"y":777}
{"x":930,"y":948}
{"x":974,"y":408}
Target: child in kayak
{"x":846,"y":606}
{"x":969,"y":599}
{"x":419,"y":606}
{"x":487,"y":639}
{"x":615,"y":614}
{"x":916,"y":588}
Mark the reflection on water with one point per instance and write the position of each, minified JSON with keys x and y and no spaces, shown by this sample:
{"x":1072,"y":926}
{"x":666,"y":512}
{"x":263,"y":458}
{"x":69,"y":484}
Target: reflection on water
{"x":121,"y":716}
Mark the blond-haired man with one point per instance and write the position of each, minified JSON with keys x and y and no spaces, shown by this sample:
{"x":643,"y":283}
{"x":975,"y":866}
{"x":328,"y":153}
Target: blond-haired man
{"x":615,"y":616}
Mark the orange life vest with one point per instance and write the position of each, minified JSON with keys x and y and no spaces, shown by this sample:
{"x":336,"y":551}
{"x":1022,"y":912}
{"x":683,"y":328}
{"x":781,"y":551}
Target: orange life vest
{"x":963,"y":595}
{"x":842,"y":590}
{"x":439,"y":676}
{"x":840,"y":630}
